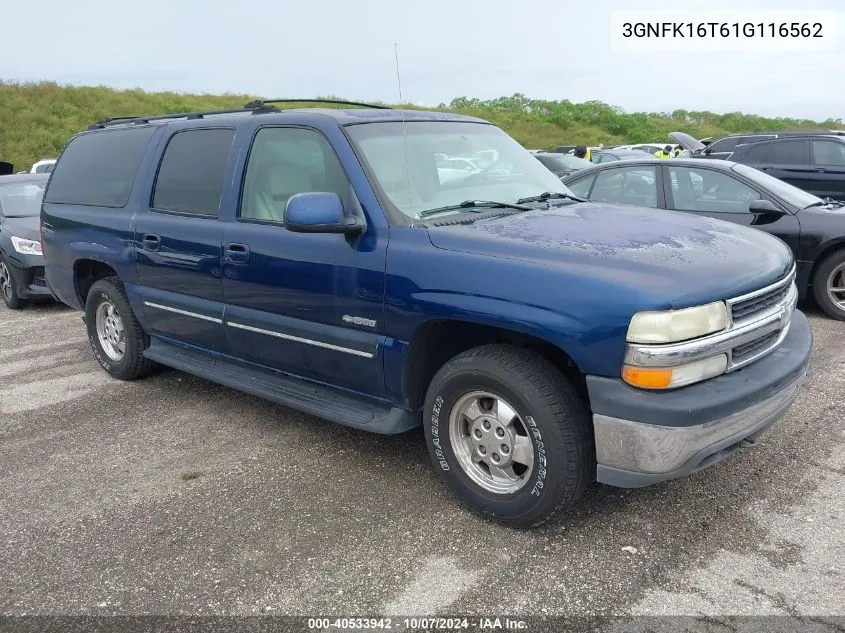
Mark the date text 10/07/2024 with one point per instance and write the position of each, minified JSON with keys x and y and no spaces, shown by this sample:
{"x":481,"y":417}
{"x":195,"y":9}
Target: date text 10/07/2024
{"x":419,"y":624}
{"x":721,"y":29}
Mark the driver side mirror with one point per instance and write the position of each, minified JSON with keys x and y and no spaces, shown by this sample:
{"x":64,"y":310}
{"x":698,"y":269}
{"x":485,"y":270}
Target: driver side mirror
{"x":764,"y":206}
{"x":319,"y":212}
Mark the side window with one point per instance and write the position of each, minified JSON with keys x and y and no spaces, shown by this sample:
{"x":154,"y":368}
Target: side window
{"x":99,"y":168}
{"x":627,"y":185}
{"x":285,"y":161}
{"x":709,"y":191}
{"x":795,"y":152}
{"x":192,"y":172}
{"x":759,"y":152}
{"x":828,"y":153}
{"x":581,"y":187}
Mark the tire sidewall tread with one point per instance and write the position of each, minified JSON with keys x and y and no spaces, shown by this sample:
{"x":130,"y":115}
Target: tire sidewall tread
{"x":564,"y":457}
{"x":134,"y":364}
{"x":820,"y":284}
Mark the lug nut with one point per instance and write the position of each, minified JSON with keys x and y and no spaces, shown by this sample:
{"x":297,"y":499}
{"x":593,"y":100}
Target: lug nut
{"x":496,"y":457}
{"x":477,"y":433}
{"x":505,"y":449}
{"x":500,"y":432}
{"x":486,"y":425}
{"x":482,"y":450}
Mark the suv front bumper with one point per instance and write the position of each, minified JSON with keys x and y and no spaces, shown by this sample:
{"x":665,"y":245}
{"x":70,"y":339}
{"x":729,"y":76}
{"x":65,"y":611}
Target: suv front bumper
{"x":644,"y":437}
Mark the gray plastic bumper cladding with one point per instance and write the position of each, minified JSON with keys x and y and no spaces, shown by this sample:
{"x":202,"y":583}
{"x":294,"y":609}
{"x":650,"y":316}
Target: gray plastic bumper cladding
{"x":644,"y":437}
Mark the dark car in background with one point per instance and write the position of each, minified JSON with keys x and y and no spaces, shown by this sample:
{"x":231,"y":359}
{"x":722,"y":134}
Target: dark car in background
{"x":723,"y":148}
{"x":815,"y":164}
{"x":561,"y":164}
{"x":21,"y":262}
{"x":812,"y":227}
{"x":599,"y":156}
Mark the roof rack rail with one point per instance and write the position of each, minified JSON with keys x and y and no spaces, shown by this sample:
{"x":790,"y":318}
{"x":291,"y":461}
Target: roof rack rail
{"x":261,"y":103}
{"x":258,"y":106}
{"x":139,"y":120}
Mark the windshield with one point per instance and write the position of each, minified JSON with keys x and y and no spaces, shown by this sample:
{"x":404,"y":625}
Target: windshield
{"x":21,"y":199}
{"x":448,"y":163}
{"x":792,"y":195}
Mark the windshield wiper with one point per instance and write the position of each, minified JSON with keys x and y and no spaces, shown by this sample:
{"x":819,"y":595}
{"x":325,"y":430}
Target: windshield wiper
{"x":825,"y":202}
{"x":474,"y":206}
{"x":551,"y":195}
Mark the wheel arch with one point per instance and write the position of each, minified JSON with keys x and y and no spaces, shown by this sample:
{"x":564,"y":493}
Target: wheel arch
{"x":437,"y":341}
{"x":86,"y":272}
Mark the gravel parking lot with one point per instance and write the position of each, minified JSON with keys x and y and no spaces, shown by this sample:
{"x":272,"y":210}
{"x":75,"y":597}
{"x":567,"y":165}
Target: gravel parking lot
{"x":173,"y":495}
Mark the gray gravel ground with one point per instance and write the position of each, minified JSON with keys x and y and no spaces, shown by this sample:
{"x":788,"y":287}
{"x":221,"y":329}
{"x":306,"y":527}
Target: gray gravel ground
{"x":173,"y":495}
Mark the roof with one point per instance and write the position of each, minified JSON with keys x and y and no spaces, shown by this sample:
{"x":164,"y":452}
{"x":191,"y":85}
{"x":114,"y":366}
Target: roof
{"x":685,"y":162}
{"x":27,"y":177}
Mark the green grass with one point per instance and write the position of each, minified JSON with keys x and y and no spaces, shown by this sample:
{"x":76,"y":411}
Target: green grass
{"x":37,"y":119}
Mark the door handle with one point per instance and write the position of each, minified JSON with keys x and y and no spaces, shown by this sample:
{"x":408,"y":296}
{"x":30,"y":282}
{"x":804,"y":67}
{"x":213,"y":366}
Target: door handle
{"x":236,"y":253}
{"x":821,"y":170}
{"x":151,"y":242}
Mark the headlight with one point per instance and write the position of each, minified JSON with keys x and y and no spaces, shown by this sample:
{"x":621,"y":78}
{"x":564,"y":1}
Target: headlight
{"x":26,"y":247}
{"x":672,"y":326}
{"x":674,"y":377}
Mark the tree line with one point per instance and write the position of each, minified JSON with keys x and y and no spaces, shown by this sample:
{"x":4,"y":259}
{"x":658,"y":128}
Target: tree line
{"x":37,"y":119}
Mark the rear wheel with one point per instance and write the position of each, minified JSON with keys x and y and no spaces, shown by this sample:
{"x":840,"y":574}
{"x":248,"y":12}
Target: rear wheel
{"x":116,"y":338}
{"x":11,"y":298}
{"x":509,"y":434}
{"x":829,"y":285}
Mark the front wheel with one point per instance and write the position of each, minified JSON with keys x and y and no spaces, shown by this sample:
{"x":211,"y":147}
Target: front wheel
{"x":11,"y":297}
{"x":829,"y":285}
{"x":509,"y":434}
{"x":116,"y":338}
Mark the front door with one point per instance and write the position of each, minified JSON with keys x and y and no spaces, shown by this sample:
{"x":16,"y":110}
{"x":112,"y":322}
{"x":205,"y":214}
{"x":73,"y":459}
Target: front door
{"x":717,"y":194}
{"x":178,"y":239}
{"x":302,"y":303}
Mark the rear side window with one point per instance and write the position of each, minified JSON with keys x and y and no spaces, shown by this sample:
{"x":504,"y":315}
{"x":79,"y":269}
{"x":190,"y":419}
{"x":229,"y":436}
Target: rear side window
{"x":759,"y":152}
{"x":193,"y":172}
{"x":99,"y":168}
{"x":795,"y":152}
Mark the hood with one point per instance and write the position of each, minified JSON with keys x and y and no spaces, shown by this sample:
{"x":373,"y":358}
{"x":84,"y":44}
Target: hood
{"x":687,"y":142}
{"x":27,"y":228}
{"x":668,"y":258}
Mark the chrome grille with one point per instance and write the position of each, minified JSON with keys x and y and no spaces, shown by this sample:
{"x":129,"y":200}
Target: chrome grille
{"x":754,"y":303}
{"x":749,"y":350}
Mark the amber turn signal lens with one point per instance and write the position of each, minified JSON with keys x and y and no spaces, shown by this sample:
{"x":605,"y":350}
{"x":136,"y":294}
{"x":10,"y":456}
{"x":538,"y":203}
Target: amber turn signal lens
{"x":646,"y":378}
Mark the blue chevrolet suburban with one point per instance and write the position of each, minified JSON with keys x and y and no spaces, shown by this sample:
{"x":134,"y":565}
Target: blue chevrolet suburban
{"x":387,"y":269}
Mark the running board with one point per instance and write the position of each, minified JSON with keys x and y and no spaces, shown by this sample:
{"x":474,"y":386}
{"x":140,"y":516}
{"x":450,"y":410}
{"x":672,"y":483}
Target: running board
{"x":324,"y":402}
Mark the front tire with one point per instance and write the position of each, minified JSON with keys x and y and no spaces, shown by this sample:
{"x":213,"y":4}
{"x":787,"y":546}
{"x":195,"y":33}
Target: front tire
{"x":116,"y":338}
{"x":509,"y":434}
{"x":829,"y":285}
{"x":9,"y":289}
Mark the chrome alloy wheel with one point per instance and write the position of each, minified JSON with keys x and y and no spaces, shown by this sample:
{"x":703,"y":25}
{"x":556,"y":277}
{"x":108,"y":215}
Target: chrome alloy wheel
{"x":5,"y":282}
{"x":836,"y":286}
{"x":110,"y":331}
{"x":491,"y":442}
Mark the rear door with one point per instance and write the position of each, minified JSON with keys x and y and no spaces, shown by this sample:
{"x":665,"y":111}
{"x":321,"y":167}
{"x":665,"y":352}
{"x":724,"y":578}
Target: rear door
{"x":827,"y":172}
{"x":178,"y":239}
{"x":719,"y":194}
{"x":786,"y":159}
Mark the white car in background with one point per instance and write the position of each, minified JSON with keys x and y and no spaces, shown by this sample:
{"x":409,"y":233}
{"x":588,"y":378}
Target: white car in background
{"x":43,"y":166}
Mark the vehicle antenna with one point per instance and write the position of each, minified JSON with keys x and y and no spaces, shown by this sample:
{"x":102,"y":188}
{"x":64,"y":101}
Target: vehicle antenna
{"x":404,"y":131}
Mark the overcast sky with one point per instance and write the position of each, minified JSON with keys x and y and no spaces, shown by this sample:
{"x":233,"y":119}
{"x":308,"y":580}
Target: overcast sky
{"x":549,"y":49}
